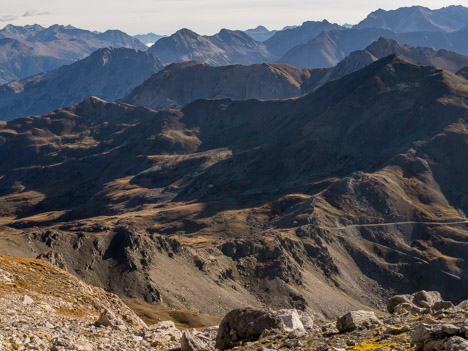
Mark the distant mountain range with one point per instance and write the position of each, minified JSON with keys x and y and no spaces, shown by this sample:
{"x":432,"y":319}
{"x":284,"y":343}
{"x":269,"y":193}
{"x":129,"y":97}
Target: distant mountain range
{"x":28,"y":50}
{"x":226,"y":47}
{"x":330,"y":47}
{"x":284,"y":40}
{"x":181,"y":83}
{"x":417,"y":19}
{"x":260,"y":33}
{"x":108,"y":73}
{"x":149,"y":38}
{"x":111,"y":74}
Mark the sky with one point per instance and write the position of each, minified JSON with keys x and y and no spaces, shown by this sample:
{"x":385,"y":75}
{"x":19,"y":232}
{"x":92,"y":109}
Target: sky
{"x":203,"y":16}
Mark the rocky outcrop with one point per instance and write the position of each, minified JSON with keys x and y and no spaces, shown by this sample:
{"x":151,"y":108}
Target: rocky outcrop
{"x":246,"y":325}
{"x":108,"y":319}
{"x":162,"y":334}
{"x":417,"y":302}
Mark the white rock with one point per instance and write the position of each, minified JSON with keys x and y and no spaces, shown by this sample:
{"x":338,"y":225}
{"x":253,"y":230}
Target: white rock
{"x":291,"y":320}
{"x":27,"y":300}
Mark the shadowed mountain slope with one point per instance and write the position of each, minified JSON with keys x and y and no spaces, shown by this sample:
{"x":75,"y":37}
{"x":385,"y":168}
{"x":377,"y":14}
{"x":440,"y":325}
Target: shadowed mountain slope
{"x":383,"y":47}
{"x":29,"y":50}
{"x":463,"y":72}
{"x":324,"y":202}
{"x":182,"y":83}
{"x":108,"y":73}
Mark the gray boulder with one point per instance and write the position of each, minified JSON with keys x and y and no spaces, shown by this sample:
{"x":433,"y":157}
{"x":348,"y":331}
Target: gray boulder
{"x":417,"y":303}
{"x":163,"y":333}
{"x":246,"y":324}
{"x":357,"y":320}
{"x":108,"y":319}
{"x":456,"y":343}
{"x":193,"y":340}
{"x":426,"y":299}
{"x":432,"y":336}
{"x":463,"y":304}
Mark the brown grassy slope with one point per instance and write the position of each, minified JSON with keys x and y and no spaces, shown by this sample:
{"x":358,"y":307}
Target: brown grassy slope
{"x":287,"y":196}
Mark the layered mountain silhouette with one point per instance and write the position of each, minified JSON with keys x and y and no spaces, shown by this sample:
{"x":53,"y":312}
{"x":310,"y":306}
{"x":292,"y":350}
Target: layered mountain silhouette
{"x":108,"y":73}
{"x":330,"y":47}
{"x":121,"y":70}
{"x":28,"y":50}
{"x":182,"y":83}
{"x":226,"y":47}
{"x":383,"y":47}
{"x":357,"y":189}
{"x":149,"y":38}
{"x":286,"y":39}
{"x":260,"y":33}
{"x":417,"y":19}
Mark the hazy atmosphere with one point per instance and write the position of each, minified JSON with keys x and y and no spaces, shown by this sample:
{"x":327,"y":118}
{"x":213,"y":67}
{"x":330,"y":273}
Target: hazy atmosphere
{"x":244,"y":175}
{"x":204,"y":17}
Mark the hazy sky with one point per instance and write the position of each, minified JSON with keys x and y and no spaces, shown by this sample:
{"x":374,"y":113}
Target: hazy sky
{"x":202,"y":16}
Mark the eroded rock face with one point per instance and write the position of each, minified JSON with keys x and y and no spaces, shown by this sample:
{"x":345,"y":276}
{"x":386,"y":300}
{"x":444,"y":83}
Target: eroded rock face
{"x":417,"y":302}
{"x":246,"y":324}
{"x":356,"y":320}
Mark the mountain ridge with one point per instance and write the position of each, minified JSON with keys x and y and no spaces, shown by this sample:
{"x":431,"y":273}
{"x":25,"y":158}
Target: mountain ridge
{"x":108,"y":73}
{"x":245,"y":195}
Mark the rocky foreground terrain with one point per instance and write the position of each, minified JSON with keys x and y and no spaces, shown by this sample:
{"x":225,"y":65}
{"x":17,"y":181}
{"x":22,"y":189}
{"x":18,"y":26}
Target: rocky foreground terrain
{"x":45,"y":308}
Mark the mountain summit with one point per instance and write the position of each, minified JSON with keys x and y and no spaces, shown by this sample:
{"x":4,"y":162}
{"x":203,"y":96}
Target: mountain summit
{"x":417,"y":18}
{"x":224,"y":48}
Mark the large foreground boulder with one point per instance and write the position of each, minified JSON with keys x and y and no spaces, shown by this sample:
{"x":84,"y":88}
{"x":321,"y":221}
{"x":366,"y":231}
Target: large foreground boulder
{"x":417,"y":302}
{"x":246,"y":324}
{"x":357,"y":320}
